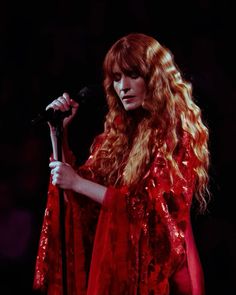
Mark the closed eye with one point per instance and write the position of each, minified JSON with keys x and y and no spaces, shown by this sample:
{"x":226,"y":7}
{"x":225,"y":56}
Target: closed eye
{"x":130,"y":74}
{"x":116,"y":77}
{"x":133,"y":74}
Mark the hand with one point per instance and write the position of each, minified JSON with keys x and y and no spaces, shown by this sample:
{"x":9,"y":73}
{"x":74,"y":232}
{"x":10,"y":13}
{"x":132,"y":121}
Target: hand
{"x":63,"y":103}
{"x":63,"y":175}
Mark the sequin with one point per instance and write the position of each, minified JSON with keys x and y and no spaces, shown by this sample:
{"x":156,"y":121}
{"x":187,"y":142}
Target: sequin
{"x":149,"y":226}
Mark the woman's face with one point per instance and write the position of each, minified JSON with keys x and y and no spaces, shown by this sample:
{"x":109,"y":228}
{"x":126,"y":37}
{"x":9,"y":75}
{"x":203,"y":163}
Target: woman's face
{"x":130,"y":88}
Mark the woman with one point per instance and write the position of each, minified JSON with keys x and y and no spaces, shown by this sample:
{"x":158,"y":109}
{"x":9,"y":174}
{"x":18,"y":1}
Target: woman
{"x":128,"y":207}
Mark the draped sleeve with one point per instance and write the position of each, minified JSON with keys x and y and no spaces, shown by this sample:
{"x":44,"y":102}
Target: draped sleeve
{"x":80,"y":219}
{"x":131,"y":244}
{"x":140,"y":239}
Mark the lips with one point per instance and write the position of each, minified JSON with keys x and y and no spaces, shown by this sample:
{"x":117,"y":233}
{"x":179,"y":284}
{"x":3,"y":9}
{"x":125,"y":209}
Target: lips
{"x":127,"y":97}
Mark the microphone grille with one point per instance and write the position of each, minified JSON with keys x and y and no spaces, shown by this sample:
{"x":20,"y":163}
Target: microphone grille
{"x":92,"y":93}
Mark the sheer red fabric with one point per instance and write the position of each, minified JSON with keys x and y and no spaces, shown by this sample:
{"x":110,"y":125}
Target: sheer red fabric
{"x":134,"y":243}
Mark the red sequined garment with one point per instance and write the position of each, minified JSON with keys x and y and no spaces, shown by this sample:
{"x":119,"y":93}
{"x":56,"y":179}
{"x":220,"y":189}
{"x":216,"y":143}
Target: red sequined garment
{"x":132,"y":244}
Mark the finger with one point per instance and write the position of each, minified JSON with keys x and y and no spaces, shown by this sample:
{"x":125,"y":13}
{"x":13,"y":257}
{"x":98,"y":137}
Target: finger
{"x":65,"y":105}
{"x":54,"y":182}
{"x":51,"y":159}
{"x":70,"y":101}
{"x":59,"y":104}
{"x":66,"y":96}
{"x":56,"y":179}
{"x":55,"y":105}
{"x":50,"y":106}
{"x":54,"y":164}
{"x":55,"y":171}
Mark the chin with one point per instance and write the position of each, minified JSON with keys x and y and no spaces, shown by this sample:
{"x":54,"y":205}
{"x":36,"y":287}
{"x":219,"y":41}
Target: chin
{"x":132,"y":107}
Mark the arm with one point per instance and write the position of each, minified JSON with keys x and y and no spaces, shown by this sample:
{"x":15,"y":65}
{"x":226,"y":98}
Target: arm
{"x":189,"y":278}
{"x":194,"y":263}
{"x":62,"y":103}
{"x":66,"y":177}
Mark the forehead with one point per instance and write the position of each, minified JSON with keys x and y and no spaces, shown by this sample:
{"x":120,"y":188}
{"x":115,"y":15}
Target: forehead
{"x":124,"y":69}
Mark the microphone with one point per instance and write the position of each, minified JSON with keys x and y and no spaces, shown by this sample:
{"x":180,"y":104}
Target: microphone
{"x":87,"y":95}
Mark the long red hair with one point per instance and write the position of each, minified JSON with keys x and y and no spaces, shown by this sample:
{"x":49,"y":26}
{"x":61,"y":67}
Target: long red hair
{"x":169,"y":107}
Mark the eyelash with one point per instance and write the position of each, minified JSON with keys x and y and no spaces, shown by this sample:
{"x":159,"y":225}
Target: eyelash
{"x":132,"y":75}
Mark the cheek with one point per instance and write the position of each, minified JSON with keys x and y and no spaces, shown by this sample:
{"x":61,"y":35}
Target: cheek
{"x":116,"y":91}
{"x":115,"y":86}
{"x":140,"y":86}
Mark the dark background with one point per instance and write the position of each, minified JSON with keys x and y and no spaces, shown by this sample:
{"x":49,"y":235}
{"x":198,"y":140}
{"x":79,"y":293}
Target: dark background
{"x":48,"y":47}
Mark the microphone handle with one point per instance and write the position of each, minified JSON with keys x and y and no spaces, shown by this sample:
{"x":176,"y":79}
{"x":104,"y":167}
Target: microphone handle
{"x":87,"y":95}
{"x":50,"y":115}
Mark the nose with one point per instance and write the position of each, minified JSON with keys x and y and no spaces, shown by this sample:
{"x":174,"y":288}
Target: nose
{"x":125,"y":90}
{"x":124,"y":84}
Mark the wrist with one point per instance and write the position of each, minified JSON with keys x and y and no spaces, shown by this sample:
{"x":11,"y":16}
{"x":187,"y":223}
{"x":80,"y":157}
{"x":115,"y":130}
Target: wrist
{"x":76,"y":185}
